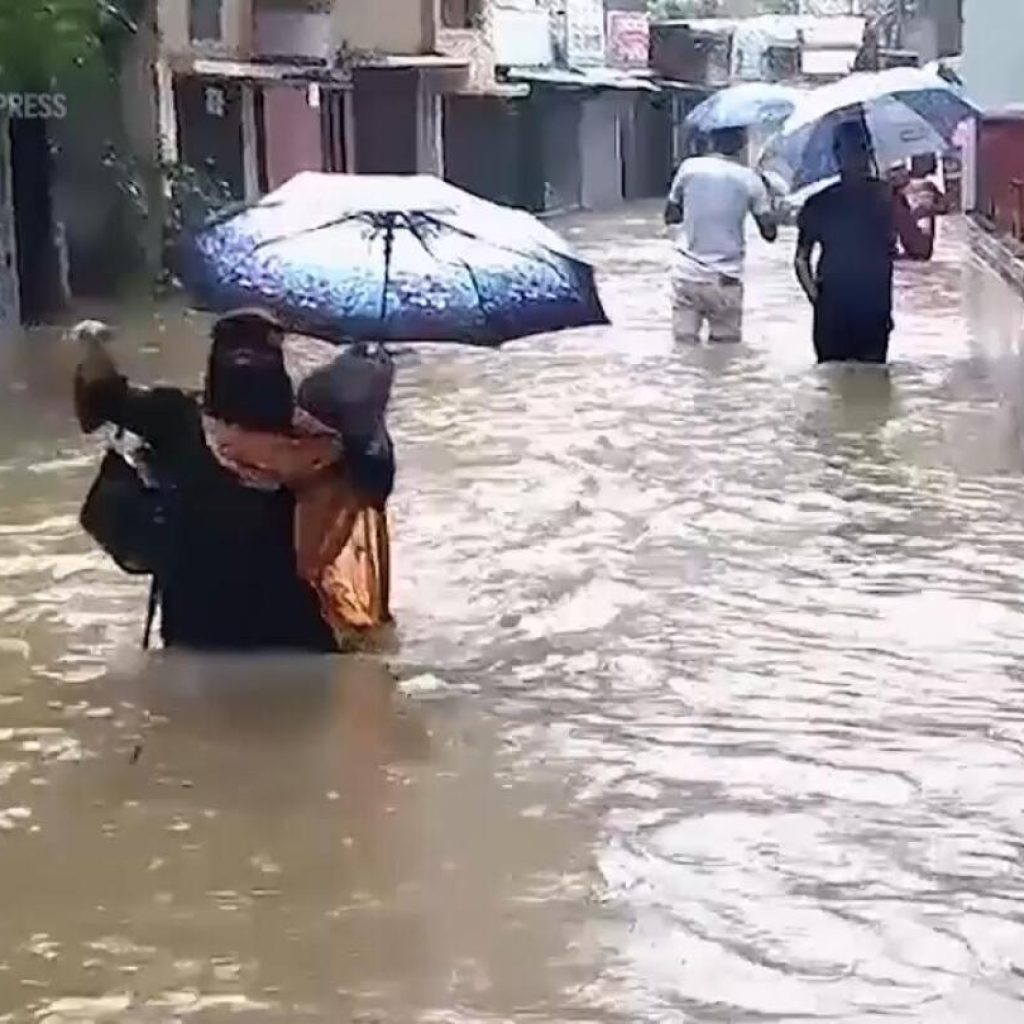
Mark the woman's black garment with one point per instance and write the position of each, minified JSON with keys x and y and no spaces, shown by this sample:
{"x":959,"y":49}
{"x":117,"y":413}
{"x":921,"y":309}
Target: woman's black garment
{"x":230,"y":581}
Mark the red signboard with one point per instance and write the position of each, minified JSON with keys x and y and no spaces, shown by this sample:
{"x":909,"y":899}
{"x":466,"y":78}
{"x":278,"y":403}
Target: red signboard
{"x":629,"y":39}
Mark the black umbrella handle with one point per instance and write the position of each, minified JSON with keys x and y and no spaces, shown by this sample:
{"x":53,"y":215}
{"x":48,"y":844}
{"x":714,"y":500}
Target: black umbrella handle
{"x":389,"y":248}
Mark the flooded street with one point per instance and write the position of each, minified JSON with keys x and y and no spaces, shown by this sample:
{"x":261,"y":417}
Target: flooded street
{"x":710,"y":702}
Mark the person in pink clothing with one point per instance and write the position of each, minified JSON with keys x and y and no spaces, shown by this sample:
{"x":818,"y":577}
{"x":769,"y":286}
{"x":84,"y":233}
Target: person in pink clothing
{"x":917,"y":203}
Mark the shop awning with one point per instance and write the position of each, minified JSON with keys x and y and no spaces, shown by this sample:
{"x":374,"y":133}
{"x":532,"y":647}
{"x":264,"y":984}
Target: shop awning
{"x":586,"y":78}
{"x":291,"y":71}
{"x":262,"y":72}
{"x":423,"y":62}
{"x":694,"y":88}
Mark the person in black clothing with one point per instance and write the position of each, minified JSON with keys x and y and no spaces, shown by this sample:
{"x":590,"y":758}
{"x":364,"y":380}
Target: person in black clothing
{"x":229,"y":578}
{"x":851,"y":286}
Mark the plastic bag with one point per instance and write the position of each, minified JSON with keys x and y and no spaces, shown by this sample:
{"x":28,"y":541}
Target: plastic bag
{"x":125,"y":512}
{"x":350,"y":395}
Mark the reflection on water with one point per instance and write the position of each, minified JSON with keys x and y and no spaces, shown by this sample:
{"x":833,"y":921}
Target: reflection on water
{"x":708,"y":707}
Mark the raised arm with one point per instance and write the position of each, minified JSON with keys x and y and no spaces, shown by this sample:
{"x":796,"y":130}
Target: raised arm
{"x":103,"y":396}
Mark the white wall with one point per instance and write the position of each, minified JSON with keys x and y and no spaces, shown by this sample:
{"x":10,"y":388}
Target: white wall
{"x":993,"y":65}
{"x":521,"y":36}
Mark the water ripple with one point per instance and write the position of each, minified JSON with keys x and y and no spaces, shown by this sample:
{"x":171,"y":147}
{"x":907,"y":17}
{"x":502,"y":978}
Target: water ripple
{"x":711,"y":710}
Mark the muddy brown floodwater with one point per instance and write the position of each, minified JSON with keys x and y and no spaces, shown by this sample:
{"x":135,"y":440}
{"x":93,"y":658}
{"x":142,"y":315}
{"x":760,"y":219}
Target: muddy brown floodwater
{"x":711,"y":699}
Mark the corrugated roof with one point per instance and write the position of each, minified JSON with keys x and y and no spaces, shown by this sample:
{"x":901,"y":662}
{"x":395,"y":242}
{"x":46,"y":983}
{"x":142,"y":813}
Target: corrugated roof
{"x":258,"y":71}
{"x":284,"y":71}
{"x":786,"y":28}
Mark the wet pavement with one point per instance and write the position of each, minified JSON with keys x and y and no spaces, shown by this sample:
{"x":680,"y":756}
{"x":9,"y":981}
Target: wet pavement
{"x":708,"y":707}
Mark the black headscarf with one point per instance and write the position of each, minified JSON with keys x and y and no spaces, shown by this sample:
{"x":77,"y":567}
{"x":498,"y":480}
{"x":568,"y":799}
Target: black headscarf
{"x":247,"y":384}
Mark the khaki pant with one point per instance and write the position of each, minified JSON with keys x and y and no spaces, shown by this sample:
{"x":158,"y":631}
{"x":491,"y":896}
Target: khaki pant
{"x":719,"y":303}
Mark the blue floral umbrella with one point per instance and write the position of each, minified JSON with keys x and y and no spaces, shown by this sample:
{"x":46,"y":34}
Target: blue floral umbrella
{"x":394,"y":259}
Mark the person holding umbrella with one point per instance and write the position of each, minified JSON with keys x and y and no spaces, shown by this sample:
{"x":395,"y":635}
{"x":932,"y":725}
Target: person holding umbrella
{"x":272,"y":531}
{"x":281,"y":470}
{"x":852,"y":225}
{"x":852,"y":128}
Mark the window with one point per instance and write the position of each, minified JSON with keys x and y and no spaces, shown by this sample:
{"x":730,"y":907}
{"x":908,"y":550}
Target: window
{"x":461,"y":13}
{"x":205,"y":20}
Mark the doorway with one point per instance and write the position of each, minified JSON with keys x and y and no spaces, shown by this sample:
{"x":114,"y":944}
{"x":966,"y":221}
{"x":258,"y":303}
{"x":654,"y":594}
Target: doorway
{"x":10,"y":305}
{"x":38,"y":262}
{"x":335,"y":132}
{"x":461,"y":14}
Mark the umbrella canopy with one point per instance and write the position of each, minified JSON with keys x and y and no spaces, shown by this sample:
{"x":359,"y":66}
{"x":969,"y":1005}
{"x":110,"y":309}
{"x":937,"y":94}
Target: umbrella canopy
{"x":743,"y":106}
{"x":399,"y":259}
{"x":907,"y":111}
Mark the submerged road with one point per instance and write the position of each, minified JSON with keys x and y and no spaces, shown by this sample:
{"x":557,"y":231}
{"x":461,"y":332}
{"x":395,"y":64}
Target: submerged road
{"x":711,"y":699}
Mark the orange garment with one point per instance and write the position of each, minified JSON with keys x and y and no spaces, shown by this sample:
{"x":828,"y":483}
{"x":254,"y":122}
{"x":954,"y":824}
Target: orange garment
{"x":926,"y":199}
{"x":341,"y":542}
{"x":917,"y":242}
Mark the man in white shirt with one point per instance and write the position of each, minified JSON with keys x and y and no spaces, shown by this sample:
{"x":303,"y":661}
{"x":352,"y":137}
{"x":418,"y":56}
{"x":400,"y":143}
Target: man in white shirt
{"x":708,"y":206}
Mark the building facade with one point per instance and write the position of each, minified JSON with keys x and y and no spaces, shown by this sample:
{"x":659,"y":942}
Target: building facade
{"x":256,"y":90}
{"x":562,"y":115}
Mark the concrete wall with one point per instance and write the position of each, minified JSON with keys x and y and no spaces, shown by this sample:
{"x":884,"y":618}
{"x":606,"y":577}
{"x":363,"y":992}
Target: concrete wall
{"x":474,"y":47}
{"x":388,"y":26}
{"x":290,"y":33}
{"x":521,"y":36}
{"x":936,"y":30}
{"x":947,"y":22}
{"x":172,"y":18}
{"x":921,"y":36}
{"x":236,"y":29}
{"x":993,"y":70}
{"x":140,"y":114}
